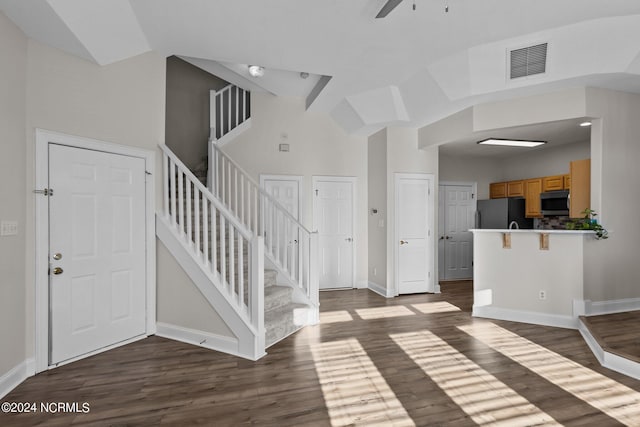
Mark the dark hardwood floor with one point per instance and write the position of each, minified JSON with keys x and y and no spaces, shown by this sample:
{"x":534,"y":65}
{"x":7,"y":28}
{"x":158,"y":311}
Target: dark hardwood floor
{"x":413,"y":360}
{"x":617,"y":333}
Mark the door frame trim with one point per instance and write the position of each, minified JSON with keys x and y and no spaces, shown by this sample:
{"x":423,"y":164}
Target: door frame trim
{"x":431,"y":282}
{"x":298,"y":178}
{"x":354,"y":186}
{"x":41,"y":213}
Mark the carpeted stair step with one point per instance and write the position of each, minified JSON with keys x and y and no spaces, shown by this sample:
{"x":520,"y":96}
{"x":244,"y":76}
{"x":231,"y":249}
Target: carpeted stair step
{"x":284,"y":321}
{"x":276,"y":297}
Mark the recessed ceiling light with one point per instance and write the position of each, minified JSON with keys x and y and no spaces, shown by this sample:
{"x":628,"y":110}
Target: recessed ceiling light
{"x":511,"y":142}
{"x":256,"y":71}
{"x":585,"y":124}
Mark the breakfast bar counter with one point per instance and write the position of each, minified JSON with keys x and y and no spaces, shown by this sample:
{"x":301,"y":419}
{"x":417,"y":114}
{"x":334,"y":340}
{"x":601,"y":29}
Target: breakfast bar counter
{"x":532,"y":276}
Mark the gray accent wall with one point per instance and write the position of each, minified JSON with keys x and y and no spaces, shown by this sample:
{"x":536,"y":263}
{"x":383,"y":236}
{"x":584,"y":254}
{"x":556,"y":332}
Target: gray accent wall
{"x":187,"y":110}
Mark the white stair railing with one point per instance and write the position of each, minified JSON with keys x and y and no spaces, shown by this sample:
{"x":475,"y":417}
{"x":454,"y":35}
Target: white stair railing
{"x":288,"y":244}
{"x":229,"y":108}
{"x":223,"y":247}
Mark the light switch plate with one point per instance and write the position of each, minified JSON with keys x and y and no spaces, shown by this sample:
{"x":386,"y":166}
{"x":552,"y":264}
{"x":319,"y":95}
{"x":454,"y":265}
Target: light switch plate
{"x":8,"y":228}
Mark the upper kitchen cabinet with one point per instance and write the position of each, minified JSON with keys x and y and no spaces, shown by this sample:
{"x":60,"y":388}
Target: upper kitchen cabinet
{"x":515,"y":188}
{"x":580,"y":194}
{"x":533,"y":188}
{"x":553,"y":183}
{"x":498,"y":190}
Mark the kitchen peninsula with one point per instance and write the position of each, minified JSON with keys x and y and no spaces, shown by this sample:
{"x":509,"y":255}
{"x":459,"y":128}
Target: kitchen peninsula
{"x":531,"y":276}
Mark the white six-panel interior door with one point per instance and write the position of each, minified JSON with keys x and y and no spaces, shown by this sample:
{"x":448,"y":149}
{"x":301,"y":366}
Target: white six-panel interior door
{"x":287,"y":190}
{"x":414,"y":225}
{"x":97,"y":249}
{"x":457,"y":206}
{"x":95,"y":258}
{"x":333,"y":218}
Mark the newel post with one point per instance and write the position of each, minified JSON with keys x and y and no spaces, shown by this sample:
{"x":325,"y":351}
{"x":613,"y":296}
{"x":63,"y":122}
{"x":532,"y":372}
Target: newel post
{"x":256,"y":275}
{"x":314,"y":275}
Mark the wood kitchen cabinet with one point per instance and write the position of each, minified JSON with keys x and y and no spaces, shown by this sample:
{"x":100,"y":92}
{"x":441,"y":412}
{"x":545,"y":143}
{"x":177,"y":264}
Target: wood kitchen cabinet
{"x":533,"y":188}
{"x":515,"y":188}
{"x":580,"y":194}
{"x":553,"y":183}
{"x":497,"y":190}
{"x":567,"y":181}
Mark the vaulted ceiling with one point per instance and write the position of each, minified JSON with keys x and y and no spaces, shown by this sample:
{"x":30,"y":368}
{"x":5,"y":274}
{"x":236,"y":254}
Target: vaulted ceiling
{"x":409,"y":69}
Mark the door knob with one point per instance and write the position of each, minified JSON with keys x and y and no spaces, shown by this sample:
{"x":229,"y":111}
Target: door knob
{"x":441,"y":237}
{"x":448,"y":237}
{"x":57,"y":256}
{"x":403,"y":242}
{"x":57,"y":270}
{"x":348,"y":239}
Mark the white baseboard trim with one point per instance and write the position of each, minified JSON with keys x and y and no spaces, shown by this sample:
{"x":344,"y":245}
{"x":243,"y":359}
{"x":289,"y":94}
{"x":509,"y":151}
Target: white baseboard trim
{"x":378,"y":289}
{"x":594,"y":308}
{"x":609,"y":360}
{"x":533,"y":317}
{"x":203,"y":339}
{"x":362,"y":284}
{"x":16,"y":376}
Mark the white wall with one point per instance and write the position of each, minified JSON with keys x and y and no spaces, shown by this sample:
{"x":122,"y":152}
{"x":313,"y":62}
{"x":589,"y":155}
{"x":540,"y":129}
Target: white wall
{"x":403,"y":156}
{"x":547,"y":162}
{"x":180,"y":303}
{"x":612,"y":272}
{"x":13,"y":51}
{"x":471,"y":169}
{"x":515,"y":276}
{"x":121,"y":103}
{"x":318,"y":146}
{"x":377,"y":167}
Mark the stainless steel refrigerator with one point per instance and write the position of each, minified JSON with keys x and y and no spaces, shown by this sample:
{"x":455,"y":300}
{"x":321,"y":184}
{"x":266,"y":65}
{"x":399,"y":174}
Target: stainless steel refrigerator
{"x":498,"y":213}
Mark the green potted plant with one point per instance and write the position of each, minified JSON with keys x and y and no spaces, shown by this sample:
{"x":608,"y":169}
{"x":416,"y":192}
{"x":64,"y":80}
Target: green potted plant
{"x":588,"y":222}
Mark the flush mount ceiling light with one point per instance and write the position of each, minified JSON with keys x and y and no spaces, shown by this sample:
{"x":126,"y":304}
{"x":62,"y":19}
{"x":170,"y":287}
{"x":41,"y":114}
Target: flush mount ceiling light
{"x":585,"y":124}
{"x":511,"y":142}
{"x":256,"y":71}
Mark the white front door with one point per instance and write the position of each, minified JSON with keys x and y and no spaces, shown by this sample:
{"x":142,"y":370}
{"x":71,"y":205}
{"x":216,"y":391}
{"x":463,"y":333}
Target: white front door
{"x":414,"y":237}
{"x":456,"y":241}
{"x":333,"y":219}
{"x":97,"y":250}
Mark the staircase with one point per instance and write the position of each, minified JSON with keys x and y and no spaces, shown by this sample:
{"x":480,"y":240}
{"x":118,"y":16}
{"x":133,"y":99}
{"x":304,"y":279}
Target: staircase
{"x":224,"y":236}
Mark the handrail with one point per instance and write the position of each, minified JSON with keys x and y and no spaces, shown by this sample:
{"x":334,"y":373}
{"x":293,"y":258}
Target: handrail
{"x":221,"y":245}
{"x":246,"y":233}
{"x":264,"y":194}
{"x":289,"y":245}
{"x":226,"y":117}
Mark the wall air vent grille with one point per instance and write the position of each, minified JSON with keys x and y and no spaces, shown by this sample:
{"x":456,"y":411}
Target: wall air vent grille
{"x":528,"y":61}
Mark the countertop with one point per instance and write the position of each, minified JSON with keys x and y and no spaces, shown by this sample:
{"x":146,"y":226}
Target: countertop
{"x":539,"y":231}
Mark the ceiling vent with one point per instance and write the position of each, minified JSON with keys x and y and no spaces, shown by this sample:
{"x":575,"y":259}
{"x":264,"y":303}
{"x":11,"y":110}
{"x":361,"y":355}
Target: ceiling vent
{"x":528,"y":61}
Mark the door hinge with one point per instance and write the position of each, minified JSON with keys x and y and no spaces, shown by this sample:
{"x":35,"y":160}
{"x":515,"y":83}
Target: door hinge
{"x":316,"y":192}
{"x":45,"y":192}
{"x":473,"y":196}
{"x":148,"y":173}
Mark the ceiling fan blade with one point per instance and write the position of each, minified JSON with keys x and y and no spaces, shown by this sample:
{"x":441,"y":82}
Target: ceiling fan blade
{"x":387,"y":8}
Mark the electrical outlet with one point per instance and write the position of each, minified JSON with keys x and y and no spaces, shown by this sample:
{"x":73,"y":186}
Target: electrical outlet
{"x":8,"y":228}
{"x":542,"y":294}
{"x":375,"y":271}
{"x":381,"y":223}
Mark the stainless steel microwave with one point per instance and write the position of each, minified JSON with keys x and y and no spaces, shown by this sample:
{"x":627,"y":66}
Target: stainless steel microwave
{"x":555,"y":203}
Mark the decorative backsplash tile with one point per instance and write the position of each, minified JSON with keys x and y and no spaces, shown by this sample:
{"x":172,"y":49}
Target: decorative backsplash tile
{"x":551,"y":223}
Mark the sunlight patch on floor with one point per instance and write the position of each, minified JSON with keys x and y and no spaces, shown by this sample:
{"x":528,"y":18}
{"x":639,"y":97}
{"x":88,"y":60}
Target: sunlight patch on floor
{"x":354,"y":390}
{"x":335,"y":316}
{"x":435,"y":307}
{"x":614,"y":399}
{"x":478,"y":393}
{"x":384,"y":312}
